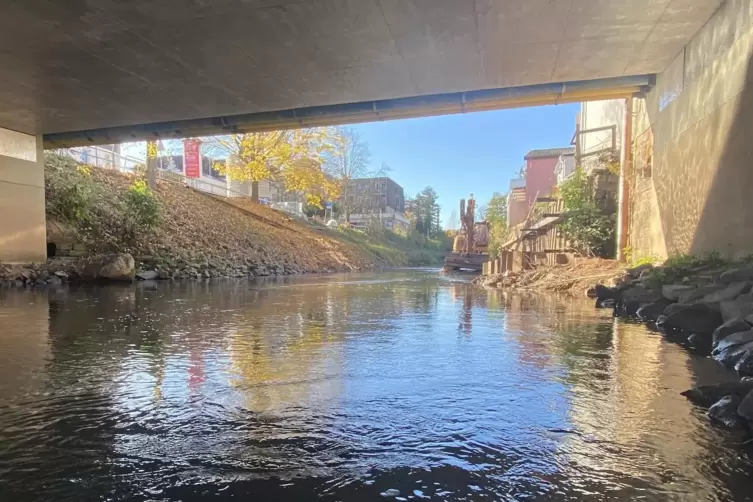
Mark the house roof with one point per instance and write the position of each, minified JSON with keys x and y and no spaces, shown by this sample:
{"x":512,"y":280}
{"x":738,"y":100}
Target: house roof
{"x":550,"y":152}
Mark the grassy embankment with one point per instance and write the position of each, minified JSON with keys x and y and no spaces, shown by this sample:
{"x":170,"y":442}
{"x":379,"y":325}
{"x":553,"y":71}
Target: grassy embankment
{"x":178,"y":227}
{"x":398,"y":250}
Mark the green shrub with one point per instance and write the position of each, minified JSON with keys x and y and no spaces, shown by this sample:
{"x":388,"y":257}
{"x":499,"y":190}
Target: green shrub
{"x":677,"y":266}
{"x":644,"y":260}
{"x":712,"y":259}
{"x":68,"y":189}
{"x":142,"y":207}
{"x":586,"y":224}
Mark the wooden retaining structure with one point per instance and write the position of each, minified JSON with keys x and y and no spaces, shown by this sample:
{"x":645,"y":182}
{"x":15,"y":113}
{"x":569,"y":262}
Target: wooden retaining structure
{"x":539,"y":242}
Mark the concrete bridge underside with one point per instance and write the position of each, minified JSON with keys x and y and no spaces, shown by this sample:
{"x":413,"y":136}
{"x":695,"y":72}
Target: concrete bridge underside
{"x":78,"y":70}
{"x":91,"y":64}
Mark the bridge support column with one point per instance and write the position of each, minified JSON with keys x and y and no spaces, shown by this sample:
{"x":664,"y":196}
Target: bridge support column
{"x":23,"y":235}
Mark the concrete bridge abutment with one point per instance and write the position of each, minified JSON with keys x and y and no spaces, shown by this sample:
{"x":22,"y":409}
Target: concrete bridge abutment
{"x":22,"y":201}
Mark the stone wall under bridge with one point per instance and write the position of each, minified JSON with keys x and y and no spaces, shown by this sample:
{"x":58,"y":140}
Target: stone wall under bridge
{"x":691,"y":180}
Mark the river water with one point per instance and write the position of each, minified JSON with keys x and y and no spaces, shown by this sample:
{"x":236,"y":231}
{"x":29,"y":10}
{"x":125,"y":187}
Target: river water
{"x":348,"y":388}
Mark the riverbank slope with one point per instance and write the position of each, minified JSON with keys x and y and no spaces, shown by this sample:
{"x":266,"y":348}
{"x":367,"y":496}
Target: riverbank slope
{"x":180,"y":232}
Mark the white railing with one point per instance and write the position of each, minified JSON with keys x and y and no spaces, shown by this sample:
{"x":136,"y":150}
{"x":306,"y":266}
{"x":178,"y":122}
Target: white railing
{"x":101,"y":157}
{"x":108,"y":159}
{"x":199,"y":184}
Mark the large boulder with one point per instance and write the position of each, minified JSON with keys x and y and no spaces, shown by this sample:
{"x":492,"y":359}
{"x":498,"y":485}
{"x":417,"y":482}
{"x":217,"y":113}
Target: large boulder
{"x":640,"y":294}
{"x":742,"y":306}
{"x":147,"y":275}
{"x":674,"y":307}
{"x":694,"y":294}
{"x":737,"y":275}
{"x":700,"y":318}
{"x":604,"y":295}
{"x":638,"y":271}
{"x":735,"y":325}
{"x":108,"y":267}
{"x":730,"y":292}
{"x":734,"y":339}
{"x":706,"y":395}
{"x":745,"y":409}
{"x":633,"y":298}
{"x":672,"y":292}
{"x":713,"y":293}
{"x":652,"y":311}
{"x":744,"y":365}
{"x":730,"y":355}
{"x":724,"y":412}
{"x":700,"y":343}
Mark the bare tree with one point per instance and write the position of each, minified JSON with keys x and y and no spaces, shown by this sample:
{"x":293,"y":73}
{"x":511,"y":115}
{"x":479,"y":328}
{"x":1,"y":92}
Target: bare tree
{"x":348,"y":159}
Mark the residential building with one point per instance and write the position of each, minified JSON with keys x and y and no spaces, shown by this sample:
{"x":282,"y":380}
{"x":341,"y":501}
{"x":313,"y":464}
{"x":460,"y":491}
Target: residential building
{"x":539,"y":178}
{"x":539,"y":172}
{"x":381,"y":199}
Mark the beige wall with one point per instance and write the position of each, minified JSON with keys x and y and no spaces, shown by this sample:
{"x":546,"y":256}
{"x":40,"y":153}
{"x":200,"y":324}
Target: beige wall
{"x":595,"y":114}
{"x":693,"y":190}
{"x":22,"y":214}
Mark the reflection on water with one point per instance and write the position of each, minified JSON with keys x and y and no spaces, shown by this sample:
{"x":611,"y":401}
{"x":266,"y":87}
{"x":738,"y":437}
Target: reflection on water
{"x":344,"y":387}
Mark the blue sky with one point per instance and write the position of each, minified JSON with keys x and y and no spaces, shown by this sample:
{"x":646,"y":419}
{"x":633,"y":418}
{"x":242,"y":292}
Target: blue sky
{"x":460,"y":154}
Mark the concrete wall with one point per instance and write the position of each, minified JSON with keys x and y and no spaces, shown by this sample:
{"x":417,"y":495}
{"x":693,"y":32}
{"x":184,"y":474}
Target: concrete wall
{"x":22,"y":215}
{"x":692,"y":180}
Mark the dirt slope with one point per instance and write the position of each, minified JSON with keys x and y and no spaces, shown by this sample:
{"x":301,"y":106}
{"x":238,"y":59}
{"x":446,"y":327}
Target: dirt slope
{"x":196,"y":227}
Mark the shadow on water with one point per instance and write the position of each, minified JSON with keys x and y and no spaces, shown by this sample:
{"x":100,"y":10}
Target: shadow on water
{"x":342,"y":388}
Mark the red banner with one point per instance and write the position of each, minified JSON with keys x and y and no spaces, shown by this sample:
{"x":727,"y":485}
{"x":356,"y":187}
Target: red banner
{"x":192,"y":158}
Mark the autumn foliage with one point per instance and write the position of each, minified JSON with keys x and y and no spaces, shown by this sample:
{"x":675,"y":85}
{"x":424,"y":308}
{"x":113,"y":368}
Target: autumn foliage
{"x":293,"y":158}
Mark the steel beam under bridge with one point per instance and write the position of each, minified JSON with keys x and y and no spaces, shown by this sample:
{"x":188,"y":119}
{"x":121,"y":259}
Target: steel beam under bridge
{"x":367,"y":111}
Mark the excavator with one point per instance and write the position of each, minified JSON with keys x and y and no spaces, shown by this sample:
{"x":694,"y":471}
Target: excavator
{"x":470,"y":249}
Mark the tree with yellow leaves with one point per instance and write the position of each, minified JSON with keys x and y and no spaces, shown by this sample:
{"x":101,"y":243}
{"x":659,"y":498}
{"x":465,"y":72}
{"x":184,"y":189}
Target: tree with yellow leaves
{"x":293,"y":158}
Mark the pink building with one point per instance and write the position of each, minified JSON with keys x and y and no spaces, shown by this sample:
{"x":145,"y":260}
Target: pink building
{"x":540,"y":176}
{"x":539,"y":180}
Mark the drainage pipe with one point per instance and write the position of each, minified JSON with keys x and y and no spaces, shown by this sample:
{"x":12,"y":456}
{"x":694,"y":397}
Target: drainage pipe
{"x":626,"y":176}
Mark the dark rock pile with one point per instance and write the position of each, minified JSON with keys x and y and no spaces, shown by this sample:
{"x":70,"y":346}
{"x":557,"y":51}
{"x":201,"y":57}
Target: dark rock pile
{"x":708,"y":309}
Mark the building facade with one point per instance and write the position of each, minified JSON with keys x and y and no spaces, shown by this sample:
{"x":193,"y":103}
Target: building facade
{"x":372,"y":195}
{"x":376,"y":199}
{"x":539,"y":172}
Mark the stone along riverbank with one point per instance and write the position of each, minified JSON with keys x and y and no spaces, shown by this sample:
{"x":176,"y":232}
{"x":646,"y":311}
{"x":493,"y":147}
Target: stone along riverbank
{"x":706,"y":307}
{"x":122,"y":267}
